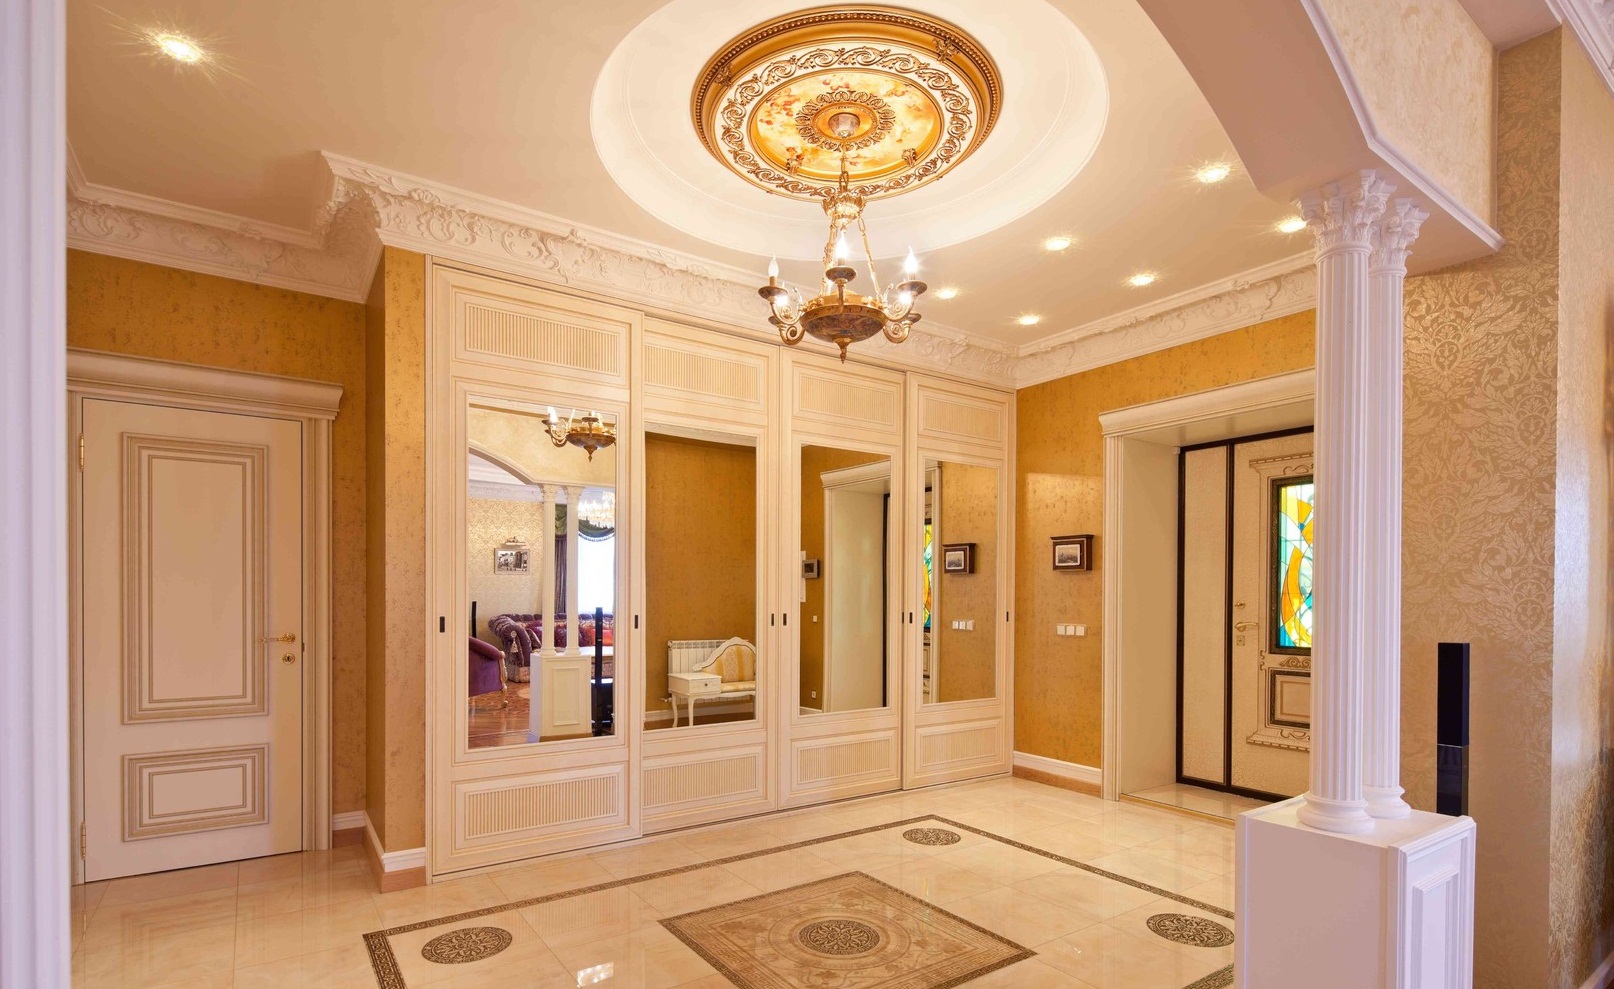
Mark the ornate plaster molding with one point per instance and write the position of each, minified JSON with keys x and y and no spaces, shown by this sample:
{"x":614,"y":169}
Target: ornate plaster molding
{"x":1265,"y":293}
{"x":337,"y":258}
{"x":1592,"y":21}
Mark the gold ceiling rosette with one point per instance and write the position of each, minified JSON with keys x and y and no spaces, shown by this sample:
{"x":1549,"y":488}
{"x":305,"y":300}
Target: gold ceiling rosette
{"x":841,"y":106}
{"x":923,"y":94}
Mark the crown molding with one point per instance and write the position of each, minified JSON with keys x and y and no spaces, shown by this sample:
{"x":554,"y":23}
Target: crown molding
{"x":367,"y":206}
{"x":1592,"y":22}
{"x":1279,"y":289}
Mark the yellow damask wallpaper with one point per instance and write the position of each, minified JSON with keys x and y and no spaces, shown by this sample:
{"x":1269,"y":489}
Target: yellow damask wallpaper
{"x":129,"y":307}
{"x":395,"y":451}
{"x":489,"y":522}
{"x":969,"y":514}
{"x":1058,"y":685}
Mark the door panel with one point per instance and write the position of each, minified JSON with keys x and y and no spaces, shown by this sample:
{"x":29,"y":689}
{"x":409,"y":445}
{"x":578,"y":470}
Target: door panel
{"x":192,"y":610}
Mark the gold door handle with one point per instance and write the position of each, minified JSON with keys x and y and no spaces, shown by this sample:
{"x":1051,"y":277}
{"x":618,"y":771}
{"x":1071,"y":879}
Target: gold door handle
{"x":1245,"y":626}
{"x":288,"y":637}
{"x":288,"y":659}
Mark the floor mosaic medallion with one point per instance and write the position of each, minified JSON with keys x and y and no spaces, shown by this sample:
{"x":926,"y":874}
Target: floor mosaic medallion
{"x":468,"y":944}
{"x":932,"y":836}
{"x":850,"y":931}
{"x":1187,"y":929}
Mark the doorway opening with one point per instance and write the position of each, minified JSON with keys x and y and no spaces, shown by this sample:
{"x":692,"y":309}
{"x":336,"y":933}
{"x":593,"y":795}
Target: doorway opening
{"x":1189,"y":484}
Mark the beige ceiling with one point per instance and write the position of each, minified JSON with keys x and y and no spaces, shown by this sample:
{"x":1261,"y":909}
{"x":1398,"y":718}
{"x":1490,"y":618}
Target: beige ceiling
{"x":493,"y":97}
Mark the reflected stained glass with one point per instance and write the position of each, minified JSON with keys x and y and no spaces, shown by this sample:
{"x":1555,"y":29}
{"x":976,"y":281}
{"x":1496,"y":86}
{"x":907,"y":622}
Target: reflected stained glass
{"x":930,"y":569}
{"x":1292,"y":547}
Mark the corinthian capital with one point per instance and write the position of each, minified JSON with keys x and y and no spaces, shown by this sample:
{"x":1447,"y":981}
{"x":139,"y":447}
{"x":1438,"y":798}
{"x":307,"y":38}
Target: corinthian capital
{"x":1341,"y":214}
{"x":1393,"y":236}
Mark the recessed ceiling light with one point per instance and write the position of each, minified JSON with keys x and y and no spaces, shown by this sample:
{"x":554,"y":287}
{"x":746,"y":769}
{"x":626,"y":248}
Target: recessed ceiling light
{"x":947,"y":292}
{"x":179,"y":48}
{"x":1291,"y":225}
{"x":1057,"y":243}
{"x":1214,"y":172}
{"x":1141,"y":279}
{"x":1029,"y":319}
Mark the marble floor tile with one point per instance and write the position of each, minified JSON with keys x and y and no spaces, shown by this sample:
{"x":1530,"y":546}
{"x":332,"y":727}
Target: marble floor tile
{"x":1107,"y":958}
{"x":599,"y":916}
{"x":550,"y":876}
{"x":1025,"y":919}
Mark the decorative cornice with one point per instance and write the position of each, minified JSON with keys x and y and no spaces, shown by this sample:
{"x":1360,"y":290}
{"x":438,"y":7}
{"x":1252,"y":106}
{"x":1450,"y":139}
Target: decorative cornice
{"x":1266,"y":293}
{"x":369,"y":206}
{"x":1592,"y":21}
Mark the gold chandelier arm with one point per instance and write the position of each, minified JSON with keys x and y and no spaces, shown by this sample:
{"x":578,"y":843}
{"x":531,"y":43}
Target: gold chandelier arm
{"x":897,"y":332}
{"x":863,"y":231}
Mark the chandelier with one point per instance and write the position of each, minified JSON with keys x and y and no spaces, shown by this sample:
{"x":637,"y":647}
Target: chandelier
{"x":586,"y":431}
{"x":836,"y":315}
{"x":599,"y":512}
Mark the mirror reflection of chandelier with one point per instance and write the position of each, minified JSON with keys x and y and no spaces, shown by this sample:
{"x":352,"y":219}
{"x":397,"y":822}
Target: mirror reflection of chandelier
{"x":587,"y":431}
{"x":598,"y":510}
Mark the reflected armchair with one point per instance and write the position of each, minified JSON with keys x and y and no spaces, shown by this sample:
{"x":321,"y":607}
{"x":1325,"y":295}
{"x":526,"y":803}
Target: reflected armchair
{"x":482,"y":671}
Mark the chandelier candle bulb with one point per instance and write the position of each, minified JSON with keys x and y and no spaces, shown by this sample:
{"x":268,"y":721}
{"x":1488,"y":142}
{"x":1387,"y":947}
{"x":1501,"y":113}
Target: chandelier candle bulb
{"x":910,"y":265}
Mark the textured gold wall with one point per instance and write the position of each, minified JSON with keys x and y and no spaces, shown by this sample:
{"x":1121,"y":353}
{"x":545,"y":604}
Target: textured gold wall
{"x":1428,"y":75}
{"x":969,"y":514}
{"x":1058,"y":685}
{"x":395,"y":331}
{"x":700,"y":549}
{"x":128,"y":307}
{"x":488,"y":523}
{"x":815,"y":460}
{"x":1582,"y":893}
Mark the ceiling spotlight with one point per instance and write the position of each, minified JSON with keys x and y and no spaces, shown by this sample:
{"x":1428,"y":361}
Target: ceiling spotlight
{"x":179,"y":48}
{"x":1291,"y":225}
{"x":1214,"y":172}
{"x":1029,"y":319}
{"x":1057,"y":243}
{"x":1141,"y":279}
{"x":947,"y":292}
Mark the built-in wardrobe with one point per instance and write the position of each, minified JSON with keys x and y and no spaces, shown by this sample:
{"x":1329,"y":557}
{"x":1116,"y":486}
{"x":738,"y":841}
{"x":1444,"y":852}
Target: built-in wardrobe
{"x":679,"y":574}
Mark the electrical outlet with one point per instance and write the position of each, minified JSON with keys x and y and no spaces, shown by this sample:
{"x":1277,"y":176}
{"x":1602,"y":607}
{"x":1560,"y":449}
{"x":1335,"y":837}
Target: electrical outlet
{"x":1078,"y":630}
{"x":812,"y":695}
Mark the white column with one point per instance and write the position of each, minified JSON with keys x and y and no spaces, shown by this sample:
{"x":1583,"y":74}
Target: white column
{"x":574,"y":498}
{"x":1387,"y":274}
{"x":34,"y":816}
{"x":1341,"y":217}
{"x":535,"y":671}
{"x":546,"y":581}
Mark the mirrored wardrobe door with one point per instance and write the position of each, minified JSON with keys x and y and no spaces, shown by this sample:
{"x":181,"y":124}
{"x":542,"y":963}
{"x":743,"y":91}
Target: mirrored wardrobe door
{"x":706,"y":659}
{"x":541,"y":573}
{"x":959,"y":569}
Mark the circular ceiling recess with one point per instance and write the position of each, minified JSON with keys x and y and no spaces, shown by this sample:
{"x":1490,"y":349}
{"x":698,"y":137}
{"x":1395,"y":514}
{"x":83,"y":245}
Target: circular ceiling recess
{"x":903,"y":96}
{"x":724,"y":139}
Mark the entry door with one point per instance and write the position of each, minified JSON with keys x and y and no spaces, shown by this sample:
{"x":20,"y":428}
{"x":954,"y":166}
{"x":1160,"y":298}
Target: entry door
{"x":191,"y":575}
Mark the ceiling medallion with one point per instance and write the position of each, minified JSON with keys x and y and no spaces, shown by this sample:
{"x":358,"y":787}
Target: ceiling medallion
{"x":919,"y":93}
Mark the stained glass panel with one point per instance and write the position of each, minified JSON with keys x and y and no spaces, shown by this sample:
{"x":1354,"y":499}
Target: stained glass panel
{"x":1292,"y":542}
{"x":930,"y":569}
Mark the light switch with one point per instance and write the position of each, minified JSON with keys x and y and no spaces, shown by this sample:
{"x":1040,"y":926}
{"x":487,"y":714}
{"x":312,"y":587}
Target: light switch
{"x":1078,"y":630}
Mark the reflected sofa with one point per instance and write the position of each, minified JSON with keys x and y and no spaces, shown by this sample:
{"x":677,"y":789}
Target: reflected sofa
{"x":523,"y":635}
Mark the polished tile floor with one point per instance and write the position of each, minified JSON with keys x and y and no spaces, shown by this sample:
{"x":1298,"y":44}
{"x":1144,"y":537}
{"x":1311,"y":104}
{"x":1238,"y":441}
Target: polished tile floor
{"x":1101,"y":896}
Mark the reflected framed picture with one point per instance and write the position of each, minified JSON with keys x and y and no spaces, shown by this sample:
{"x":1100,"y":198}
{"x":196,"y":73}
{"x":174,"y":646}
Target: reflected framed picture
{"x":958,"y":558}
{"x":512,"y":557}
{"x":810,"y":569}
{"x":1073,"y":552}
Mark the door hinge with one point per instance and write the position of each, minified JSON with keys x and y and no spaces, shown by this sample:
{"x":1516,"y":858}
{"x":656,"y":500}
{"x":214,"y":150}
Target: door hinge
{"x":81,"y":453}
{"x":83,"y":841}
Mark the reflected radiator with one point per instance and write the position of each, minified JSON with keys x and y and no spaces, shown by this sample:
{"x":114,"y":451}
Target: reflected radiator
{"x":684,"y":655}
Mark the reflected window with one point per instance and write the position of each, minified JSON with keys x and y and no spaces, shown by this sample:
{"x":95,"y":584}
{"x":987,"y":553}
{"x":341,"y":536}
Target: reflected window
{"x":1291,"y":563}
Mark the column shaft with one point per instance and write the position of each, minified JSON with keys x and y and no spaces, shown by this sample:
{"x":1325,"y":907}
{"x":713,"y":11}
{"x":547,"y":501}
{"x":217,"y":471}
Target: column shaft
{"x":574,"y":501}
{"x":546,"y":584}
{"x":1387,"y":272}
{"x":1341,"y":217}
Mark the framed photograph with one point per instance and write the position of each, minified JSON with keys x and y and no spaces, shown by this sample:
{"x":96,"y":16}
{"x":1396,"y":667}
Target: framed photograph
{"x":512,"y":557}
{"x":1073,"y":552}
{"x":809,"y":569}
{"x":958,"y":558}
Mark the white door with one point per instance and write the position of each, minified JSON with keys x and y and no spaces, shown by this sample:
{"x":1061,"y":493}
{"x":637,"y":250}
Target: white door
{"x":1271,"y":700}
{"x":191,"y":575}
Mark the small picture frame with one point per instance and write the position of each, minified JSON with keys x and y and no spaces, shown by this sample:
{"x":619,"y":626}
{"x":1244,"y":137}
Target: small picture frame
{"x":958,"y":558}
{"x":809,"y":569}
{"x":1073,"y":552}
{"x":512,"y":557}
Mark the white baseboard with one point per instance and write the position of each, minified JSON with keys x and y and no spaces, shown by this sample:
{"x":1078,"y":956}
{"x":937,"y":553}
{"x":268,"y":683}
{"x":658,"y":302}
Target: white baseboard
{"x":1058,"y":767}
{"x":347,"y":822}
{"x":1602,"y":977}
{"x":399,"y":861}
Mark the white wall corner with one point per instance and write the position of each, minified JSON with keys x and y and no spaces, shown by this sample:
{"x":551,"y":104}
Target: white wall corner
{"x":399,"y":861}
{"x":1058,"y":767}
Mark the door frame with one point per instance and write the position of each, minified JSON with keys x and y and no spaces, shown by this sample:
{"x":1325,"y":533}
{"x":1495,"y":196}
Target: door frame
{"x":1140,"y":502}
{"x":313,"y":405}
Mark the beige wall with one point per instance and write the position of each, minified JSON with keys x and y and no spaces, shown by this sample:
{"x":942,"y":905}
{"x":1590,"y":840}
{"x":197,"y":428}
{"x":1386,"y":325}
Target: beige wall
{"x":969,"y":514}
{"x":489,"y":522}
{"x":1058,"y":683}
{"x":815,"y":460}
{"x":700,"y":549}
{"x":1506,"y":541}
{"x":1582,"y":885}
{"x":1428,"y":76}
{"x":128,"y":307}
{"x":395,"y":331}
